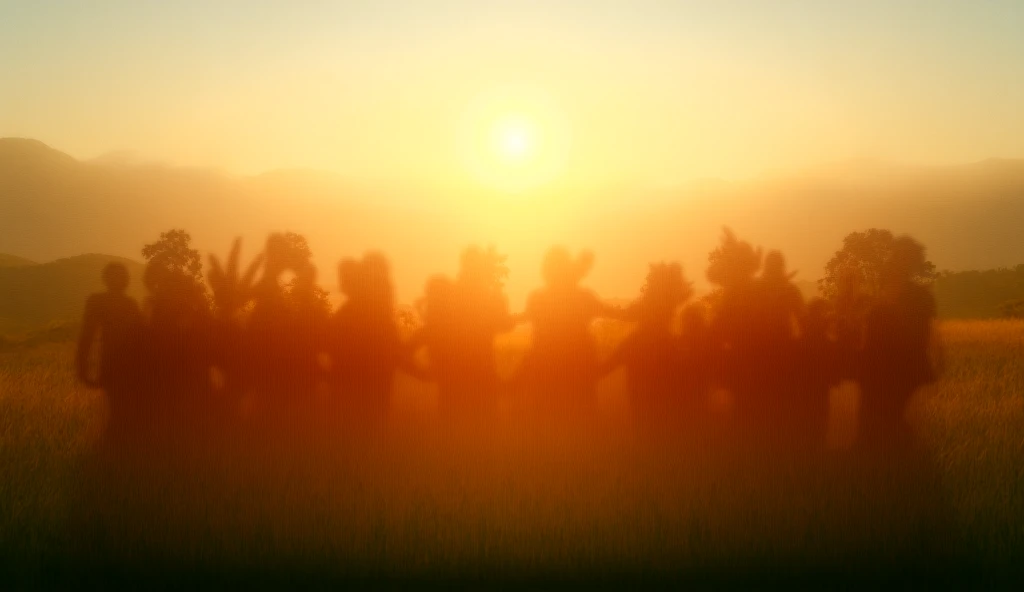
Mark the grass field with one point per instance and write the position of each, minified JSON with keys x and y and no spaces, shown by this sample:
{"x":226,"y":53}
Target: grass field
{"x":515,"y":500}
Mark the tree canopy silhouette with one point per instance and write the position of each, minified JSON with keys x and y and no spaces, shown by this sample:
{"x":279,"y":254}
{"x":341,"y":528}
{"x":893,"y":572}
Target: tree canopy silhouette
{"x":174,"y":253}
{"x":860,"y":264}
{"x":174,"y":269}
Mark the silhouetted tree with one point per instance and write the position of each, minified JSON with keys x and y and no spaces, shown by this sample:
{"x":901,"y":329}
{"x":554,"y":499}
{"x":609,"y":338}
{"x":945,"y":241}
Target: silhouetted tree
{"x":854,"y":279}
{"x":179,"y":352}
{"x":978,"y":293}
{"x":854,"y":275}
{"x":1012,"y":309}
{"x":865,"y":255}
{"x":231,"y":294}
{"x":172,"y":264}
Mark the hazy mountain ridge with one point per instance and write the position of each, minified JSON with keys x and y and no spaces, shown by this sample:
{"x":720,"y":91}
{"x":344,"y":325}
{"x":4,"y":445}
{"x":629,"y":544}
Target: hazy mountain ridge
{"x":14,"y":261}
{"x":51,"y":205}
{"x":34,"y":295}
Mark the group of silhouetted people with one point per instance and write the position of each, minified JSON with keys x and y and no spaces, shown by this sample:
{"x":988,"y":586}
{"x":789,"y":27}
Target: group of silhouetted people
{"x":189,"y":358}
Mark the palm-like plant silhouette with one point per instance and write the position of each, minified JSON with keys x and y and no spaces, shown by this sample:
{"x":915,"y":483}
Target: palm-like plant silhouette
{"x":231,"y":292}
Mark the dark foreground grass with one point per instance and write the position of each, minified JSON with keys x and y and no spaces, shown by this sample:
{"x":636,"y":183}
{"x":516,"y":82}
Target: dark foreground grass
{"x":514,"y":502}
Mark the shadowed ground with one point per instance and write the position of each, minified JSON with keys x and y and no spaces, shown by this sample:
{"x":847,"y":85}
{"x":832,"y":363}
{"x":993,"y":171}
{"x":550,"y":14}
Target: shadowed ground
{"x":517,"y":501}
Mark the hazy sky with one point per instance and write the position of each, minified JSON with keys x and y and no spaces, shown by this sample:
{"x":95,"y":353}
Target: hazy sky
{"x":631,"y":91}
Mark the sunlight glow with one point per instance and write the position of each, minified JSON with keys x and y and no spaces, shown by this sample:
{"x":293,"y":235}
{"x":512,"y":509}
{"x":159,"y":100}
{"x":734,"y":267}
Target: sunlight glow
{"x":513,"y":140}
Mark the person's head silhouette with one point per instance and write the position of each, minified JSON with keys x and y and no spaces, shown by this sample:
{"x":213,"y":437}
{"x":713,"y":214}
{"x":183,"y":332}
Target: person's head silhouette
{"x":437,"y":299}
{"x":774,"y":266}
{"x":664,"y":290}
{"x":471,"y":266}
{"x":561,"y":271}
{"x":115,"y":278}
{"x":376,"y":274}
{"x":348,"y":280}
{"x":907,"y":256}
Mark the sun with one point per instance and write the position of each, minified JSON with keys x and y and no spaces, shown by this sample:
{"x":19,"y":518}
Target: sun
{"x":513,"y":139}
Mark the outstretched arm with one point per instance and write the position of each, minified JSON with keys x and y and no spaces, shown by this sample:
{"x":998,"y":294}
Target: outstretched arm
{"x":618,"y":313}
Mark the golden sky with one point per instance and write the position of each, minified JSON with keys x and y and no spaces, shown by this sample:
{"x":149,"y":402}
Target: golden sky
{"x":597,"y":93}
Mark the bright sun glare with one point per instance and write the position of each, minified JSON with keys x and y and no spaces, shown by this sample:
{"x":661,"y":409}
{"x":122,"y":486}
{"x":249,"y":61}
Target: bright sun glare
{"x":514,"y":139}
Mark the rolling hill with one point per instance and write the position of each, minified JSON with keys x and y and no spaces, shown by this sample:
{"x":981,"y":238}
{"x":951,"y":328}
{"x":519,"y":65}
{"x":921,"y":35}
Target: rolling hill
{"x":33,"y":296}
{"x":14,"y":261}
{"x":52,"y":206}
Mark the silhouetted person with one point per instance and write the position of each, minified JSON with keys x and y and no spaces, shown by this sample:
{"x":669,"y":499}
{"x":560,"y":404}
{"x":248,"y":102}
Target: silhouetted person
{"x":561,"y":368}
{"x":365,"y":347}
{"x":462,"y":319}
{"x":780,"y":303}
{"x":778,"y":306}
{"x":114,"y":318}
{"x":698,"y":363}
{"x":284,"y":333}
{"x":818,"y":371}
{"x":897,"y":341}
{"x":651,"y":352}
{"x":437,"y":334}
{"x":733,"y":267}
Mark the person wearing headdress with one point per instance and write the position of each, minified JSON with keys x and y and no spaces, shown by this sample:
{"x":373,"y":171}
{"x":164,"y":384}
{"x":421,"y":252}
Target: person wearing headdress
{"x":561,"y":369}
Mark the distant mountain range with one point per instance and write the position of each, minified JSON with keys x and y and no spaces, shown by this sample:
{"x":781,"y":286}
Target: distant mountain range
{"x":14,"y":261}
{"x":51,"y":206}
{"x":33,"y":295}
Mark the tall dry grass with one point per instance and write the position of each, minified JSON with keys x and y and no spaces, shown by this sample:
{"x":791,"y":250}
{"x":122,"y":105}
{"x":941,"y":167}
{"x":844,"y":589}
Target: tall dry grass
{"x":515,"y":498}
